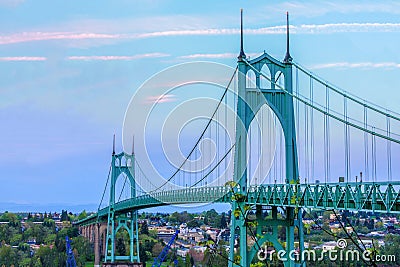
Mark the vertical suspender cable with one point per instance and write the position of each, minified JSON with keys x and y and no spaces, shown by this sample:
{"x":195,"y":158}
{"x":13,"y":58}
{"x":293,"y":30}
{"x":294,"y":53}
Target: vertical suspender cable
{"x":366,"y":149}
{"x":260,"y":145}
{"x":373,"y":156}
{"x":297,"y":102}
{"x":306,"y":150}
{"x":346,"y":139}
{"x":328,"y":138}
{"x":276,"y":151}
{"x":217,"y":147}
{"x":249,"y":156}
{"x":281,"y":149}
{"x":389,"y":149}
{"x":225,"y":134}
{"x":195,"y":168}
{"x":312,"y":127}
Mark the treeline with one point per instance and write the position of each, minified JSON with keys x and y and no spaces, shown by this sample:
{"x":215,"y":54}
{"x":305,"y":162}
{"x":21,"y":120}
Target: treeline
{"x":37,"y":245}
{"x":210,"y":218}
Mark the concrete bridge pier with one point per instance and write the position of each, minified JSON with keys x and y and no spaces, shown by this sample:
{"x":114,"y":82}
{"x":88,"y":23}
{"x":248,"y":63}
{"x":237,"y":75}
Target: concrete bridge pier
{"x":97,"y":256}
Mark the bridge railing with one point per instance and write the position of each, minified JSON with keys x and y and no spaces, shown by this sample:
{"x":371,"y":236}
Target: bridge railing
{"x":355,"y":196}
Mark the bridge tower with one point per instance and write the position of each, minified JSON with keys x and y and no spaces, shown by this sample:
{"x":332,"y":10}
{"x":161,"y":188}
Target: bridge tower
{"x":122,"y":164}
{"x":250,"y":101}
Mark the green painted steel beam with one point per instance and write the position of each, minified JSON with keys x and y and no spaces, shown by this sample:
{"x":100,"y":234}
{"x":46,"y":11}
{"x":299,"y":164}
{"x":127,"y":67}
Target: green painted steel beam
{"x":383,"y":197}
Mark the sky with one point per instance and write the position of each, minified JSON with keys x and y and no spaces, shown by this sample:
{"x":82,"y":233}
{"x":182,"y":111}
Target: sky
{"x":69,"y":69}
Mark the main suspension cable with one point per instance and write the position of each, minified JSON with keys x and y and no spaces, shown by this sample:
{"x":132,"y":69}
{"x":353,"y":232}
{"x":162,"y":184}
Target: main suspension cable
{"x":202,"y":134}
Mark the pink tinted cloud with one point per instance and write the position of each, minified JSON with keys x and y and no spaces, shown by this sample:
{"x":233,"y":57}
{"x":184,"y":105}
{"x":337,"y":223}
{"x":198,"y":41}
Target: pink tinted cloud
{"x":106,"y":58}
{"x":213,"y":56}
{"x":160,"y":99}
{"x":45,"y":36}
{"x":281,"y":29}
{"x":347,"y":65}
{"x":23,"y":58}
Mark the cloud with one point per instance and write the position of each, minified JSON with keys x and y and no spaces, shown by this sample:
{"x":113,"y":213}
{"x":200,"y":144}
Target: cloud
{"x":106,"y":58}
{"x":11,"y":3}
{"x":347,"y":65}
{"x":345,"y":28}
{"x":315,"y":9}
{"x":295,"y":29}
{"x":200,"y":56}
{"x":161,"y":99}
{"x":215,"y":56}
{"x":46,"y":36}
{"x":23,"y":58}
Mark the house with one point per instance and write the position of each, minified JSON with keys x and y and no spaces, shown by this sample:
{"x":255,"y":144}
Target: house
{"x":331,"y":245}
{"x":182,"y":252}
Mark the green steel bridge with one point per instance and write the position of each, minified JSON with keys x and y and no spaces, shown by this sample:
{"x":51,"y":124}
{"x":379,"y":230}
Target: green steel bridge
{"x":381,"y":197}
{"x":289,"y":185}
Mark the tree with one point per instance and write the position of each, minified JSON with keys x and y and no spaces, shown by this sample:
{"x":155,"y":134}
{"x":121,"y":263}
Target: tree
{"x":223,"y":223}
{"x":15,"y":239}
{"x":10,"y":217}
{"x":221,"y":257}
{"x":82,"y":250}
{"x":82,"y":215}
{"x":188,"y":261}
{"x":142,"y":253}
{"x":229,"y":216}
{"x":46,"y":256}
{"x":144,"y":230}
{"x":192,"y":224}
{"x":120,"y":247}
{"x":157,"y":248}
{"x":64,"y":215}
{"x":8,"y":256}
{"x":212,"y":218}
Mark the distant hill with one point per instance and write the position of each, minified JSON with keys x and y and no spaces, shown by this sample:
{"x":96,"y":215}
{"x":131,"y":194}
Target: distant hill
{"x":46,"y":207}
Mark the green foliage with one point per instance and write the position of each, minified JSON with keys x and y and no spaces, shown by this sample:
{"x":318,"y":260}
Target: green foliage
{"x":46,"y":255}
{"x":82,"y":250}
{"x":8,"y":256}
{"x":64,"y":216}
{"x":237,"y":259}
{"x":157,"y":248}
{"x":231,"y":184}
{"x":212,"y":218}
{"x":236,"y":213}
{"x":82,"y":215}
{"x":144,"y":228}
{"x":257,"y":264}
{"x":51,"y":253}
{"x":238,"y":197}
{"x":9,"y":217}
{"x":193,"y":224}
{"x":15,"y":239}
{"x":217,"y":257}
{"x":179,"y":218}
{"x":120,"y":247}
{"x":49,"y":222}
{"x":188,"y":261}
{"x":223,"y":224}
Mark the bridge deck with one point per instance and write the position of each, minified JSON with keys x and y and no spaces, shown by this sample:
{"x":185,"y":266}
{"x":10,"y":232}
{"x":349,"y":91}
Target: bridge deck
{"x":366,"y":196}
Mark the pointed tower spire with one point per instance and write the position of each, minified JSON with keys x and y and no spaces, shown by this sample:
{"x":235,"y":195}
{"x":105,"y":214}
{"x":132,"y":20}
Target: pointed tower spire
{"x":241,"y":54}
{"x":287,"y":58}
{"x":113,"y":145}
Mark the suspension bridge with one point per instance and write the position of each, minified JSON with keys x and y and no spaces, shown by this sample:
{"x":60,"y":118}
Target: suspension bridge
{"x":300,"y":143}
